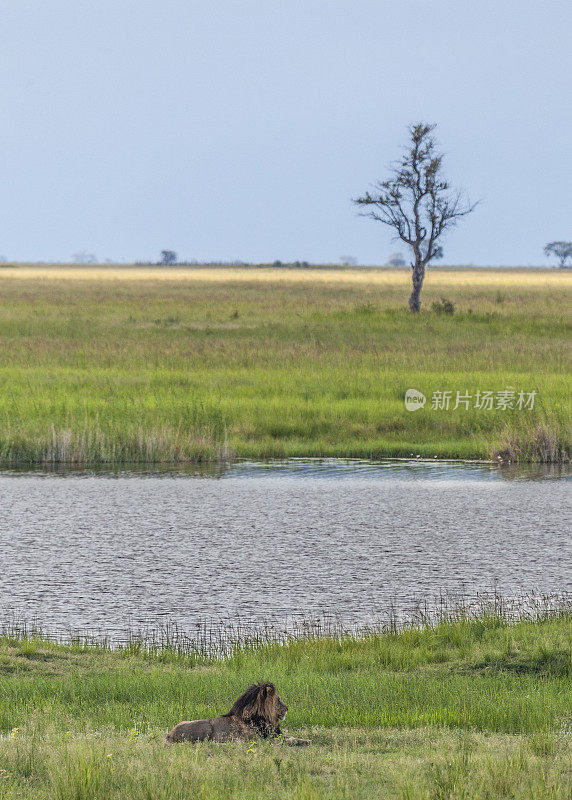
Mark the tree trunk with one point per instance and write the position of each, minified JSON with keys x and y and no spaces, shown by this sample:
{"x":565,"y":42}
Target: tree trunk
{"x":418,"y":275}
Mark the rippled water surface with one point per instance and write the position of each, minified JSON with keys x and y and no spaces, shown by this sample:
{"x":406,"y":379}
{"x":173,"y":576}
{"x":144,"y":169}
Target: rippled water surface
{"x":265,"y":541}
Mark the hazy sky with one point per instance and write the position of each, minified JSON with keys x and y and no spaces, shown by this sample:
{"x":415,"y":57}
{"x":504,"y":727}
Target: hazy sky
{"x":241,"y":129}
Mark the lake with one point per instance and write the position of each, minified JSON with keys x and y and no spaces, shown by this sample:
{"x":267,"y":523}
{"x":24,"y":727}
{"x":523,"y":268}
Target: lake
{"x":119,"y":550}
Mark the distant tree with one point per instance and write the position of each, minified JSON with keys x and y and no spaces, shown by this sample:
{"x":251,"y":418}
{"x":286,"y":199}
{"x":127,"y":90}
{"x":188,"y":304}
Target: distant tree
{"x":396,"y":260}
{"x":81,"y":257}
{"x":349,"y":261}
{"x":562,"y":251}
{"x":417,"y":202}
{"x":168,"y":257}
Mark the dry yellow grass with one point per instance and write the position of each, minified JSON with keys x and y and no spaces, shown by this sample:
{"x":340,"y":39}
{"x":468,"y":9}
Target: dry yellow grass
{"x":439,"y":277}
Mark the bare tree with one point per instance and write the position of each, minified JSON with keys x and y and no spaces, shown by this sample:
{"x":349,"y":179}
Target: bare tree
{"x":168,"y":257}
{"x":562,"y":251}
{"x":418,"y":203}
{"x":81,"y":257}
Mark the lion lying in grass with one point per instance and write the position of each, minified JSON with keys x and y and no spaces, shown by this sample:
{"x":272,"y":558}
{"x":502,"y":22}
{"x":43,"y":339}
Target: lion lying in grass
{"x":256,"y":713}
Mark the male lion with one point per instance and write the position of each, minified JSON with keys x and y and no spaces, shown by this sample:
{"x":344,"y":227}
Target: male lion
{"x":256,"y":713}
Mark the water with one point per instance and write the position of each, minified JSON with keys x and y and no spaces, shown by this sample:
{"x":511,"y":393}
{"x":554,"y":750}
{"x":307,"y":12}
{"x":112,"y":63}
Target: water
{"x":118,"y":550}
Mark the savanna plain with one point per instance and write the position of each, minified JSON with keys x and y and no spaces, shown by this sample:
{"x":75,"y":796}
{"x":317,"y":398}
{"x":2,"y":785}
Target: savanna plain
{"x":129,"y":364}
{"x":122,"y":365}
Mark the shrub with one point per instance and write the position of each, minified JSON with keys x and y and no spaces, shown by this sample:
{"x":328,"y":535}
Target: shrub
{"x":443,"y":306}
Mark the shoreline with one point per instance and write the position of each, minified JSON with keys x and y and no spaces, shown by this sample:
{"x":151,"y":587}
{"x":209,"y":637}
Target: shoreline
{"x":474,"y":705}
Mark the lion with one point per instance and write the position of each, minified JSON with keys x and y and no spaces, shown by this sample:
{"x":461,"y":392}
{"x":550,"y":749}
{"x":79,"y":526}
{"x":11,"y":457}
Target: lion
{"x":256,"y":713}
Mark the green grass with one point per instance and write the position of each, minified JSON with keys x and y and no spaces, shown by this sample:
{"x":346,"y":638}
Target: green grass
{"x":471,"y":708}
{"x":127,"y":365}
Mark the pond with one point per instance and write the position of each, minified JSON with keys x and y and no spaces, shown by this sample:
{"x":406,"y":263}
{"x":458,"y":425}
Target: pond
{"x":115,"y":551}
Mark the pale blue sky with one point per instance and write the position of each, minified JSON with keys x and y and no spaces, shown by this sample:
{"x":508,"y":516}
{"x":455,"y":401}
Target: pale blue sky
{"x":242,"y":129}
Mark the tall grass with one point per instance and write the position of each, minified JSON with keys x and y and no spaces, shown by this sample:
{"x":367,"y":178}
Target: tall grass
{"x":116,"y":365}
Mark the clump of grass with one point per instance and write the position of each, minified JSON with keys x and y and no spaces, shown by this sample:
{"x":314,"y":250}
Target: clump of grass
{"x":534,"y":444}
{"x":443,"y":306}
{"x":84,"y":773}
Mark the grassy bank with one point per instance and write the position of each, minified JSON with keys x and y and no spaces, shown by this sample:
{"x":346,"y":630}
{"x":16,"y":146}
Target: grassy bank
{"x":128,"y":364}
{"x":473,"y":708}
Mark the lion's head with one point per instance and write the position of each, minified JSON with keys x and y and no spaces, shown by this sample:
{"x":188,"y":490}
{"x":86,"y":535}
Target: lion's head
{"x":260,"y":706}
